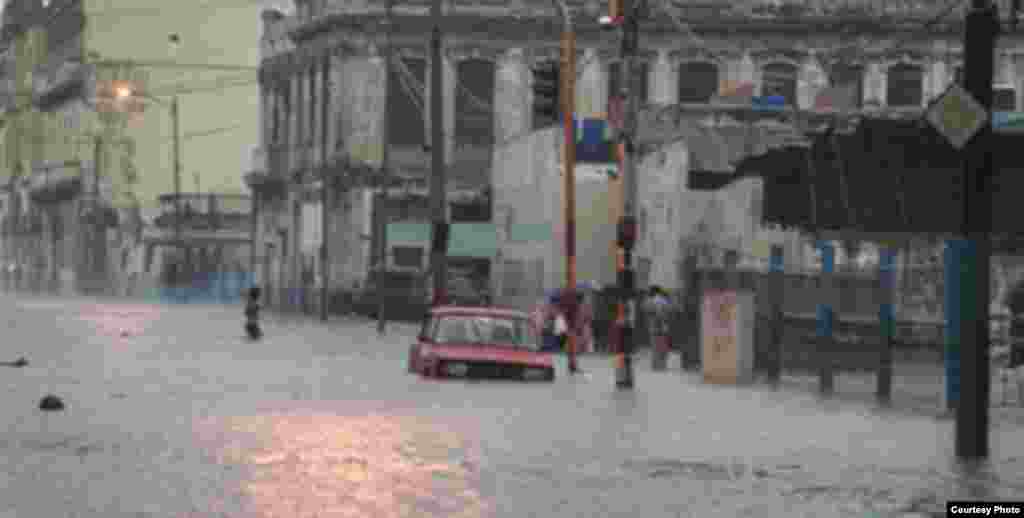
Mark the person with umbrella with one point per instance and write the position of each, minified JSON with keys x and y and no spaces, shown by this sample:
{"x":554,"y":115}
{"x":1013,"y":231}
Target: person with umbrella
{"x":657,"y":306}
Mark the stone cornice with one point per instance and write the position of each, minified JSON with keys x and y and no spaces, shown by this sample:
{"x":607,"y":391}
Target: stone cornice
{"x":764,"y":55}
{"x":691,"y":54}
{"x":539,"y":54}
{"x":463,"y":51}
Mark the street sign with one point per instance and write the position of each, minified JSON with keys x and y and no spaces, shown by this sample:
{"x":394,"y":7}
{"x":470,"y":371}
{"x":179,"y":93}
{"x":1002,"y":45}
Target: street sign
{"x":957,"y":115}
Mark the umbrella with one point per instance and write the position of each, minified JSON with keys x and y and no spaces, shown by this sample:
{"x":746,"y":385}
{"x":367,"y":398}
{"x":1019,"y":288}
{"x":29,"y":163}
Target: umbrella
{"x":553,"y":296}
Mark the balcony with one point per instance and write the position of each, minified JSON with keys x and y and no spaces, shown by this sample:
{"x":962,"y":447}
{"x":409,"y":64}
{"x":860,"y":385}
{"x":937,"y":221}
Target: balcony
{"x":205,"y":212}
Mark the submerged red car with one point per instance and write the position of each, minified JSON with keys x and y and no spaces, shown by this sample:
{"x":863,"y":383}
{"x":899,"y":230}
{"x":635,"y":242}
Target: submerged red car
{"x":479,"y":342}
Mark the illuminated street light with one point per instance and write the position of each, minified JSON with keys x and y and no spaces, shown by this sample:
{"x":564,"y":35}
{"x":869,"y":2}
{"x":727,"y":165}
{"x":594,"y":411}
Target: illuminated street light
{"x":123,"y":92}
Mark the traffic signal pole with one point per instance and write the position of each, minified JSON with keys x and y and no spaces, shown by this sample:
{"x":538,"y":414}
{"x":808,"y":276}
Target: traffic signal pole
{"x":567,"y":98}
{"x":438,"y":179}
{"x":969,"y":259}
{"x":627,"y":227}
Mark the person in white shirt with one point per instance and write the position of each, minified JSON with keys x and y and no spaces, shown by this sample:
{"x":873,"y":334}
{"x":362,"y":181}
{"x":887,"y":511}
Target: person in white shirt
{"x":561,"y":330}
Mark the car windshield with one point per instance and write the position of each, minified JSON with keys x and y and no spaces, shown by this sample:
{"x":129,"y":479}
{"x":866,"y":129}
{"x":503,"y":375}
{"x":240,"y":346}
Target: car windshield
{"x":510,"y":331}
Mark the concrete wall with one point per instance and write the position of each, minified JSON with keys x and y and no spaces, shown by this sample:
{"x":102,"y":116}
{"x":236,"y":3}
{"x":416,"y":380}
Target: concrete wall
{"x":226,"y":35}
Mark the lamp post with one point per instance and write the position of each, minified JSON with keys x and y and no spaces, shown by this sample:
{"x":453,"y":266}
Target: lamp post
{"x":126,"y":92}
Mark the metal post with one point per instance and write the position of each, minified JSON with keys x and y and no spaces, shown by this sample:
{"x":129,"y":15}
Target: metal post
{"x":886,"y":320}
{"x":178,"y":222}
{"x":568,"y":101}
{"x":254,"y":221}
{"x":627,"y":226}
{"x":777,"y":268}
{"x":380,"y":225}
{"x":439,"y":250}
{"x":826,"y":318}
{"x":972,"y":412}
{"x":326,"y":186}
{"x":98,"y":240}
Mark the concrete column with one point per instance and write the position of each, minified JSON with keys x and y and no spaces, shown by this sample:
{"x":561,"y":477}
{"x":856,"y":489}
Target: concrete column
{"x":294,"y":209}
{"x":811,"y":79}
{"x":511,"y":89}
{"x":590,"y":96}
{"x":742,"y":69}
{"x":664,"y":79}
{"x":292,"y":139}
{"x":936,"y":79}
{"x":450,"y":88}
{"x":314,"y":114}
{"x":875,"y":83}
{"x":334,"y":90}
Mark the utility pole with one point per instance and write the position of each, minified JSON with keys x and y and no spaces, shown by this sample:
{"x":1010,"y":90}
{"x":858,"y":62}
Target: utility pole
{"x":326,"y":186}
{"x":178,"y":222}
{"x":438,"y":179}
{"x":627,"y":226}
{"x":385,"y":166}
{"x":99,"y":240}
{"x":568,"y":99}
{"x":974,"y":249}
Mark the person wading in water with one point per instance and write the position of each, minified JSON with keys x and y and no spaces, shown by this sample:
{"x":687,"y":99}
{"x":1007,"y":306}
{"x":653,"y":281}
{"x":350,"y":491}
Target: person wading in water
{"x":252,"y":315}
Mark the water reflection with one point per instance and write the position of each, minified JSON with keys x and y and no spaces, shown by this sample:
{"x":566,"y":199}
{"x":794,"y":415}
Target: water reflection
{"x":326,"y":465}
{"x":120,"y":321}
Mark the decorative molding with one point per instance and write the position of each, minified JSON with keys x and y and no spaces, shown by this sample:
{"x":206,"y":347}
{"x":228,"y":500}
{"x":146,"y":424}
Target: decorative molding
{"x":764,"y":56}
{"x":613,"y":55}
{"x":537,"y":55}
{"x":692,"y":54}
{"x":888,"y":58}
{"x":474,"y":51}
{"x":411,"y":52}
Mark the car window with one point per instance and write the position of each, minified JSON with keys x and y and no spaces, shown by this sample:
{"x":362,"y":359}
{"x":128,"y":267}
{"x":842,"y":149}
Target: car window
{"x":514,"y":332}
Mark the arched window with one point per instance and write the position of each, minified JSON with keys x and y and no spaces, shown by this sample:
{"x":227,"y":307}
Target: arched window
{"x":842,"y":75}
{"x":406,"y":118}
{"x":474,"y":101}
{"x":905,"y":85}
{"x":779,"y":79}
{"x":698,"y":82}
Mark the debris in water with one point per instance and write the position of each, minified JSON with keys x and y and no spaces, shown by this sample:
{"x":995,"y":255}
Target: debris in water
{"x":51,"y":403}
{"x":20,"y":362}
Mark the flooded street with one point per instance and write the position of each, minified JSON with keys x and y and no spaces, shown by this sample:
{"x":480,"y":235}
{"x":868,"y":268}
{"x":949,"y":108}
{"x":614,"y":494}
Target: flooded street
{"x":170,"y":413}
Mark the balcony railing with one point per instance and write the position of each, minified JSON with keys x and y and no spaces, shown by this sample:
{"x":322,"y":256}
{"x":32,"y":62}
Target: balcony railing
{"x":205,"y":211}
{"x":61,"y":69}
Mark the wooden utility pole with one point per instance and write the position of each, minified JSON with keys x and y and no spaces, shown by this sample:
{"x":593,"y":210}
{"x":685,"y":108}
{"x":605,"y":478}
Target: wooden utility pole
{"x":438,"y":179}
{"x":567,"y":97}
{"x":627,"y":226}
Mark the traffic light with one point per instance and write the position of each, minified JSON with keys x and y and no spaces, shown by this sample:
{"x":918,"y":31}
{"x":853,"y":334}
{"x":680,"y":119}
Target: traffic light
{"x":546,"y":88}
{"x":616,"y":13}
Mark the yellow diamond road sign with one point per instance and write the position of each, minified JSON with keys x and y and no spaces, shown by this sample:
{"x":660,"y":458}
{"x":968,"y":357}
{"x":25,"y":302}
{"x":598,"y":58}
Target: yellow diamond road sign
{"x":957,"y":115}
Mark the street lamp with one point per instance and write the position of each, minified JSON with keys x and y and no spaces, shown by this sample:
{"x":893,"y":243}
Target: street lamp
{"x":124,"y":92}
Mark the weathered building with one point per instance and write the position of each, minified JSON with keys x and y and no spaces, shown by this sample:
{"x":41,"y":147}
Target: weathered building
{"x":331,"y":110}
{"x":97,"y":161}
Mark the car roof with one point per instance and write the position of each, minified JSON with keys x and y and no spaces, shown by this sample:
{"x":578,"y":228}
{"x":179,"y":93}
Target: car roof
{"x":490,"y":311}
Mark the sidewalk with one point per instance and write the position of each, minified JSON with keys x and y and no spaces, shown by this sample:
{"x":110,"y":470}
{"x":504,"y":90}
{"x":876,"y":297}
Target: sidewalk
{"x":918,"y":389}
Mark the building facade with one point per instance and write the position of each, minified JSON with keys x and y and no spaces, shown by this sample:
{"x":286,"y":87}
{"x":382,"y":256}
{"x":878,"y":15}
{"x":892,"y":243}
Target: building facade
{"x":331,"y":110}
{"x":96,"y":166}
